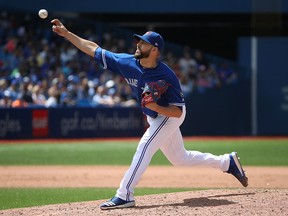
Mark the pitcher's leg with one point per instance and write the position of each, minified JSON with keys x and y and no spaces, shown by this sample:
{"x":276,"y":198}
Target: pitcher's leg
{"x":140,"y":162}
{"x":176,"y":153}
{"x":148,"y":145}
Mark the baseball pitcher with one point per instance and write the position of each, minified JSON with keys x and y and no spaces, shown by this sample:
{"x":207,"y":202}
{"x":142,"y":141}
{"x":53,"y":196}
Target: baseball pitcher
{"x":161,"y":99}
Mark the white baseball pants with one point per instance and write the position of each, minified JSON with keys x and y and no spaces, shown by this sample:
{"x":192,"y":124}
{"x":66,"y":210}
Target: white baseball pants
{"x":164,"y":133}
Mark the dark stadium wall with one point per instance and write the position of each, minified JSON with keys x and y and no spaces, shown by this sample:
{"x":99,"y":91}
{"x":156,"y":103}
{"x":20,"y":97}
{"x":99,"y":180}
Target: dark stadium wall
{"x":149,"y":6}
{"x":222,"y":112}
{"x":267,"y":58}
{"x":23,"y":123}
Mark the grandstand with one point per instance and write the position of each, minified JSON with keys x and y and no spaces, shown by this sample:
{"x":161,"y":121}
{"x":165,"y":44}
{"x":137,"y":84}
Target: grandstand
{"x":41,"y":70}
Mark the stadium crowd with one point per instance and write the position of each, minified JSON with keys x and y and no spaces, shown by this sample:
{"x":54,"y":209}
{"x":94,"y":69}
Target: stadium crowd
{"x":37,"y":68}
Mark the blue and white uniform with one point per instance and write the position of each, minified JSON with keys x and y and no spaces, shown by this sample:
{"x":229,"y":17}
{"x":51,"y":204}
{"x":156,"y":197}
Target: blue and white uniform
{"x":164,"y":132}
{"x":136,"y":76}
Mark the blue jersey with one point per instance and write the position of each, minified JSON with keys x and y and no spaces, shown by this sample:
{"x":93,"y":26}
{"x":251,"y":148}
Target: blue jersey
{"x":137,"y":76}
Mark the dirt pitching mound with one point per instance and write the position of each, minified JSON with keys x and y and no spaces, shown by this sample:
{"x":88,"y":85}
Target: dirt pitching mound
{"x":209,"y":202}
{"x":267,"y":193}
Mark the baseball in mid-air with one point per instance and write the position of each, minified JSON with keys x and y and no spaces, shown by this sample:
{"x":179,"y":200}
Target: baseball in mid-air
{"x":43,"y":13}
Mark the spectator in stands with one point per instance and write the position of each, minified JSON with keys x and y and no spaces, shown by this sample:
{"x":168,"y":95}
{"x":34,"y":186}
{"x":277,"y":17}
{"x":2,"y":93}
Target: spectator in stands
{"x":68,"y":96}
{"x":187,"y":84}
{"x":188,"y":65}
{"x":54,"y":97}
{"x":19,"y":102}
{"x":26,"y":91}
{"x":102,"y":97}
{"x":84,"y":91}
{"x":6,"y":100}
{"x":128,"y":99}
{"x":38,"y":97}
{"x":42,"y":56}
{"x":125,"y":94}
{"x":3,"y":86}
{"x":14,"y":89}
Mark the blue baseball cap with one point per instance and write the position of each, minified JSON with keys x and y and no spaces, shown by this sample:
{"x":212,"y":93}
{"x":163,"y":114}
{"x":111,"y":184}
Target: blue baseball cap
{"x":152,"y":38}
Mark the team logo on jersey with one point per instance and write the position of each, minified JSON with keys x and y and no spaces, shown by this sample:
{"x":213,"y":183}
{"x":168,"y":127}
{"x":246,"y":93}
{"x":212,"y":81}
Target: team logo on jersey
{"x":132,"y":82}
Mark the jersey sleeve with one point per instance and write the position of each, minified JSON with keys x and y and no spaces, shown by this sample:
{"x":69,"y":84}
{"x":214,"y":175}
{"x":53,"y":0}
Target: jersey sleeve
{"x":106,"y":58}
{"x":110,"y":60}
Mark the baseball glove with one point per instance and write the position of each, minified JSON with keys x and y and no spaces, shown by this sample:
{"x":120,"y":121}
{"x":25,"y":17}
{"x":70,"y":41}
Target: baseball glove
{"x":153,"y":91}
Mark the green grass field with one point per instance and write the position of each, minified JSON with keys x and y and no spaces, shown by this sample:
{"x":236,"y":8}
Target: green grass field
{"x":252,"y":152}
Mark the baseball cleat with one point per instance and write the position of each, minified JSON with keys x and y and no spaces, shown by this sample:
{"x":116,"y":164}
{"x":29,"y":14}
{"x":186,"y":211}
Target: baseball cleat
{"x":236,"y":169}
{"x":116,"y":202}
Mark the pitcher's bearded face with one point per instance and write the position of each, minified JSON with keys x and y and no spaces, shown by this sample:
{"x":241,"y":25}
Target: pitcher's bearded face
{"x":143,"y":50}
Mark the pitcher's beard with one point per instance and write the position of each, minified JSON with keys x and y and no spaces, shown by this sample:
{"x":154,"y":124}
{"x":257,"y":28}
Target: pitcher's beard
{"x":141,"y":55}
{"x":137,"y":55}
